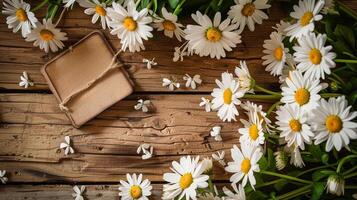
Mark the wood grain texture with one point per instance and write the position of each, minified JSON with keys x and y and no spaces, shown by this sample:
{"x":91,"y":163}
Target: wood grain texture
{"x":33,"y":127}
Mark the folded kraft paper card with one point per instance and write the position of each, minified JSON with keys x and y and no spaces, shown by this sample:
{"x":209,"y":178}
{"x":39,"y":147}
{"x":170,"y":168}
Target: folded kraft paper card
{"x":87,"y":78}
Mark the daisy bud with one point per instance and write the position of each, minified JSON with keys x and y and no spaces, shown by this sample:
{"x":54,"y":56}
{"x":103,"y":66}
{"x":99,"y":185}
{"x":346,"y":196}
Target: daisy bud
{"x":207,"y":164}
{"x":334,"y":86}
{"x":335,"y":185}
{"x":281,"y":159}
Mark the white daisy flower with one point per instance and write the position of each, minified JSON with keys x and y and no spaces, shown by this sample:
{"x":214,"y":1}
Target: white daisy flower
{"x":275,"y":54}
{"x":281,"y":159}
{"x":207,"y":165}
{"x":147,"y":150}
{"x":248,"y":12}
{"x":143,"y":105}
{"x":281,"y":27}
{"x":333,"y":121}
{"x":314,"y":58}
{"x":169,"y":25}
{"x":246,"y":82}
{"x":97,"y":9}
{"x":135,"y":188}
{"x":289,"y":67}
{"x":293,"y":122}
{"x":206,"y":103}
{"x":301,"y":91}
{"x":25,"y":80}
{"x":3,"y":178}
{"x":19,"y":16}
{"x":251,"y":107}
{"x":216,"y":133}
{"x":244,"y":164}
{"x":186,"y":178}
{"x":252,"y":133}
{"x":295,"y":155}
{"x":66,"y":145}
{"x":237,"y":194}
{"x":149,"y":63}
{"x":335,"y":185}
{"x":78,"y":192}
{"x":306,"y":13}
{"x":129,"y":25}
{"x":192,"y":81}
{"x":226,"y":97}
{"x":219,"y":157}
{"x":47,"y":36}
{"x":171,"y":84}
{"x":211,"y":38}
{"x":68,"y":3}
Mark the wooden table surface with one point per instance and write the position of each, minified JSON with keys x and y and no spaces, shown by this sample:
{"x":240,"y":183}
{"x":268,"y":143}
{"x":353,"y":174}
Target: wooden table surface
{"x":32,"y":126}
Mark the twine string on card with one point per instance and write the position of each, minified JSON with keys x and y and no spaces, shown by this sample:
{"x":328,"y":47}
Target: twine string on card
{"x":113,"y":64}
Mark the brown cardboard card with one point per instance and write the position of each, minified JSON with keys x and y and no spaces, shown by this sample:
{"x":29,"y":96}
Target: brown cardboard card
{"x":77,"y":67}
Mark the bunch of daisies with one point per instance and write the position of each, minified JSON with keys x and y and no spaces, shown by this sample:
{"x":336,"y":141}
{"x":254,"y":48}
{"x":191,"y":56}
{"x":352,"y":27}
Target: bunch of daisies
{"x":132,"y":21}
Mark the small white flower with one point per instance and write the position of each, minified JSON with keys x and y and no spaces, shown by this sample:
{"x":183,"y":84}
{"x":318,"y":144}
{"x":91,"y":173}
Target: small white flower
{"x":245,"y":163}
{"x":149,"y":63}
{"x":3,"y":178}
{"x":47,"y":36}
{"x":280,"y":28}
{"x":219,"y":157}
{"x":67,"y":146}
{"x":207,"y":164}
{"x":295,"y":155}
{"x":19,"y":16}
{"x":252,"y":133}
{"x":78,"y":192}
{"x":237,"y":194}
{"x":216,"y":133}
{"x":248,"y":12}
{"x":246,"y":82}
{"x":307,"y":12}
{"x":169,"y":25}
{"x":192,"y":82}
{"x":171,"y":84}
{"x":206,"y":103}
{"x":335,"y":185}
{"x":135,"y":188}
{"x":147,"y":150}
{"x":25,"y":81}
{"x":281,"y":159}
{"x":143,"y":105}
{"x":333,"y":123}
{"x":313,"y":57}
{"x":97,"y":9}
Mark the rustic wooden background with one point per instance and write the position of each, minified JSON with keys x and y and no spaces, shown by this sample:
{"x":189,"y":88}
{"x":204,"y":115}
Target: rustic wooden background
{"x":32,"y":126}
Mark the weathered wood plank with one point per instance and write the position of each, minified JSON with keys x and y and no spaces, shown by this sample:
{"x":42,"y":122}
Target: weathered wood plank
{"x":33,"y":127}
{"x":16,"y":56}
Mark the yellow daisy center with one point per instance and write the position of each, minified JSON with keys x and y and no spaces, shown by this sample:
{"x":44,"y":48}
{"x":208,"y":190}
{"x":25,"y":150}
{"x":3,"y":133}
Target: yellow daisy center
{"x":315,"y":56}
{"x":302,"y":96}
{"x":278,"y":54}
{"x":295,"y":125}
{"x":130,"y":24}
{"x":245,"y":165}
{"x":333,"y":123}
{"x":306,"y":18}
{"x":227,"y":96}
{"x":135,"y":191}
{"x":168,"y":25}
{"x":213,"y":34}
{"x":186,"y":180}
{"x":21,"y":15}
{"x":248,"y":9}
{"x":46,"y":35}
{"x":253,"y":132}
{"x":100,"y":10}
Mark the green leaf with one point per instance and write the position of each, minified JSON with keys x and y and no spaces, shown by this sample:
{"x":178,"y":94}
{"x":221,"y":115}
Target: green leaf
{"x":173,"y":3}
{"x":317,"y":190}
{"x":154,"y":2}
{"x":271,"y":160}
{"x":263,"y":163}
{"x":280,"y":185}
{"x":318,"y":175}
{"x":257,"y":195}
{"x":315,"y":151}
{"x":345,"y":33}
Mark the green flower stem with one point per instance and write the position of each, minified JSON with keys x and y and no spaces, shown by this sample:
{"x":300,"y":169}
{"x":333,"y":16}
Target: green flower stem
{"x":342,"y":161}
{"x":266,"y":90}
{"x":264,"y":184}
{"x":351,"y":187}
{"x":272,"y":107}
{"x":315,"y":168}
{"x":210,"y":185}
{"x":44,"y":2}
{"x":338,"y":78}
{"x":285,"y":177}
{"x":340,"y":68}
{"x":350,"y":175}
{"x":346,"y":61}
{"x":261,"y":97}
{"x":350,"y":170}
{"x":295,"y":193}
{"x":347,"y":10}
{"x":178,"y":7}
{"x":328,"y":95}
